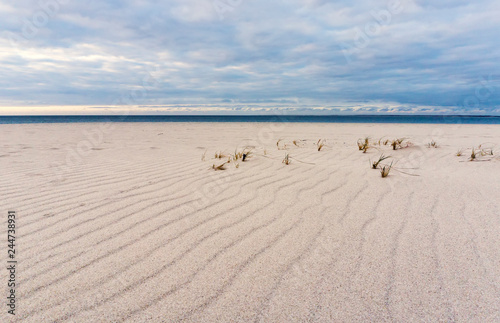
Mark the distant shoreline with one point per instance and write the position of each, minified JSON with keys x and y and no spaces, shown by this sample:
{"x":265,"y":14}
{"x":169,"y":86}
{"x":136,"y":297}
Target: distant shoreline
{"x":408,"y":119}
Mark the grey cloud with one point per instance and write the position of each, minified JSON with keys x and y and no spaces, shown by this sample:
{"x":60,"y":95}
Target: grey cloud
{"x":261,"y":52}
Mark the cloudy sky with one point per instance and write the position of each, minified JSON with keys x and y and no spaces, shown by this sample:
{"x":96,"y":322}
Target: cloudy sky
{"x":249,"y":56}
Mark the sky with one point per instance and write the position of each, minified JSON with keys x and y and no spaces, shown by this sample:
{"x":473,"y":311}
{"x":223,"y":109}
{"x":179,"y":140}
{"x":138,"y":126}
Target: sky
{"x":249,"y":57}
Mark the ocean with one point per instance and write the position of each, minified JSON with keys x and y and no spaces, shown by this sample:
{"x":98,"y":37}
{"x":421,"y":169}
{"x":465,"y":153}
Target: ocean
{"x":432,"y":119}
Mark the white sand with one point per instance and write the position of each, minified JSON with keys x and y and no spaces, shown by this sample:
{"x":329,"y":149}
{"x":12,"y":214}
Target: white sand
{"x":141,"y":229}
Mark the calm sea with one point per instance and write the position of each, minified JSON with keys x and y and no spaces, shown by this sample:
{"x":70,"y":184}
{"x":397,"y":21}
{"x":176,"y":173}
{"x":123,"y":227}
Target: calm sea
{"x":448,"y":119}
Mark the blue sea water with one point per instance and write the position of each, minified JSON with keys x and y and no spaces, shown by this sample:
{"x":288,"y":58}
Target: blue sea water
{"x":433,"y":119}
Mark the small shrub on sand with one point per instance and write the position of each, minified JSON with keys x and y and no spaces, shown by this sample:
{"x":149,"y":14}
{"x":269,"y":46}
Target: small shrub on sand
{"x":459,"y":152}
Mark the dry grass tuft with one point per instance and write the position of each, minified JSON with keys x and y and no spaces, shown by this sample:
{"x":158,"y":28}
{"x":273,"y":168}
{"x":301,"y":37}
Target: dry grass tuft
{"x":432,"y":144}
{"x":400,"y":143}
{"x":286,"y":160}
{"x":220,"y":167}
{"x":485,"y":152}
{"x":203,"y":156}
{"x":473,"y":154}
{"x":459,"y":152}
{"x":364,"y":144}
{"x":394,"y":144}
{"x":481,"y":152}
{"x":243,"y":155}
{"x":380,"y":159}
{"x":384,"y":171}
{"x":320,"y":144}
{"x":219,"y":155}
{"x":237,"y":154}
{"x":246,"y":154}
{"x":383,"y":142}
{"x":280,"y":147}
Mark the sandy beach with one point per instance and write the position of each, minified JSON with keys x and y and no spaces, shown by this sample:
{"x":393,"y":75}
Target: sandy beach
{"x":126,"y":222}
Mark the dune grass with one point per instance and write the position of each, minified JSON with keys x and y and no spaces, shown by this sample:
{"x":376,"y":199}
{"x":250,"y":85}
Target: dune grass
{"x":384,"y":171}
{"x":280,"y":147}
{"x":380,"y":159}
{"x":237,"y":154}
{"x":286,"y":160}
{"x":219,"y":167}
{"x":320,"y":144}
{"x":485,"y":152}
{"x":473,"y":154}
{"x":219,"y":155}
{"x":246,"y":154}
{"x":476,"y":154}
{"x":400,"y":143}
{"x":364,"y":144}
{"x":432,"y":144}
{"x":381,"y":142}
{"x":243,"y":154}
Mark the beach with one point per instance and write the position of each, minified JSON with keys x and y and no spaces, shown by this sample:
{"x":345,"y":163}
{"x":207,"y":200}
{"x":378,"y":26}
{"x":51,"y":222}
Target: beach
{"x":134,"y":222}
